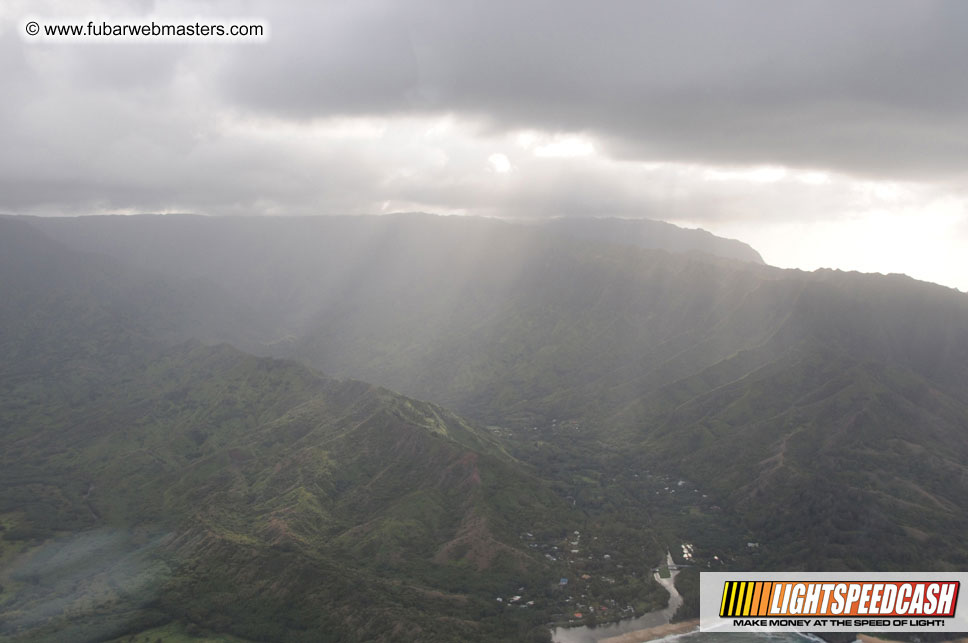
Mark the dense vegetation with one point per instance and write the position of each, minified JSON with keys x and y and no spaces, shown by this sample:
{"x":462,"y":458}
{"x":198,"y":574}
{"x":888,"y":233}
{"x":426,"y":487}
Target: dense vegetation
{"x":622,"y":400}
{"x":145,"y":483}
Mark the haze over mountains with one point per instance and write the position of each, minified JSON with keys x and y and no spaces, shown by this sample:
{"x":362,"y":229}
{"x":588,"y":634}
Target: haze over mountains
{"x":158,"y":476}
{"x":419,"y":368}
{"x":164,"y":389}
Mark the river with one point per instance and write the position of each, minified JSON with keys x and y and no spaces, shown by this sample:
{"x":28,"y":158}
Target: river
{"x":585,"y":634}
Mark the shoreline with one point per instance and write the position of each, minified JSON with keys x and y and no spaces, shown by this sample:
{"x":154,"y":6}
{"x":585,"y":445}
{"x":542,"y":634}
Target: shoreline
{"x":652,"y":633}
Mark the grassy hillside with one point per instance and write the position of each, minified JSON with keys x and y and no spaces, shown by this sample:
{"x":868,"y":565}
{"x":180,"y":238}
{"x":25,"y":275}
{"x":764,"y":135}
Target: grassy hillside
{"x":253,"y":496}
{"x":146,"y":483}
{"x":644,"y":399}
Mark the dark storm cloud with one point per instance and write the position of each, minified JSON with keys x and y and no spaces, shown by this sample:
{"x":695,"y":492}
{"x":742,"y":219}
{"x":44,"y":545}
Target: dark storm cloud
{"x":328,"y":58}
{"x":875,"y":88}
{"x":776,"y":122}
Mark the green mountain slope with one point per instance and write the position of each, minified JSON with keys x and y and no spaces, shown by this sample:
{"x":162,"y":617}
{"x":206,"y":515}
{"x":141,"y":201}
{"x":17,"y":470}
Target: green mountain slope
{"x":667,"y":397}
{"x":842,"y":440}
{"x":144,"y":483}
{"x":240,"y":464}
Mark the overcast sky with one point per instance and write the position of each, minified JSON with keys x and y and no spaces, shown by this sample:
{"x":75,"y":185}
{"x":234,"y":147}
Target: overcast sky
{"x":822,"y":133}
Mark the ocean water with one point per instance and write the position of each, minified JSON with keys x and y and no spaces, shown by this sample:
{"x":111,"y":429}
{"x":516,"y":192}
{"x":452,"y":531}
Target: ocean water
{"x":592,"y":635}
{"x":740,"y":637}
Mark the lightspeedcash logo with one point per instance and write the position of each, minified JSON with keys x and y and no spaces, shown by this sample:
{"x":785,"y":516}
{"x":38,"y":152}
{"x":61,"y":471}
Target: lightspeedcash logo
{"x":766,"y":598}
{"x":831,"y":602}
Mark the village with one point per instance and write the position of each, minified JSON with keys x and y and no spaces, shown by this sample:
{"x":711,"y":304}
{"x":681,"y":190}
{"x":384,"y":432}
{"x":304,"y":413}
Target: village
{"x":606,"y":568}
{"x":594,"y":586}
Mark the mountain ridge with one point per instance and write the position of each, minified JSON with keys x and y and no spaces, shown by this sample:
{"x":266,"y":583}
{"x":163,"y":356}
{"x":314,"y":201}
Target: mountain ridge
{"x":655,"y":398}
{"x":201,"y":464}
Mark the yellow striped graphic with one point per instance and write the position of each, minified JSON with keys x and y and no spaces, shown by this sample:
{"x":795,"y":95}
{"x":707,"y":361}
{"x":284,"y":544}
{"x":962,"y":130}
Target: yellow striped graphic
{"x":749,"y":598}
{"x":745,"y":598}
{"x":729,"y":597}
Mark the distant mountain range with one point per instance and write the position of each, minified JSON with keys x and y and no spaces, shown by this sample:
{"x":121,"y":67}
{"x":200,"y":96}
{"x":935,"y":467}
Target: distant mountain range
{"x":599,"y":367}
{"x":657,"y":235}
